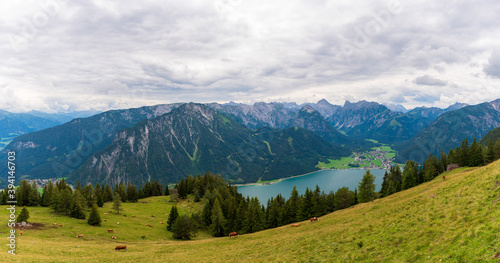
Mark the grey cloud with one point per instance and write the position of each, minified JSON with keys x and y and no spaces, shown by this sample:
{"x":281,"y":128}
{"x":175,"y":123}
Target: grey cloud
{"x":429,"y":81}
{"x":492,"y":68}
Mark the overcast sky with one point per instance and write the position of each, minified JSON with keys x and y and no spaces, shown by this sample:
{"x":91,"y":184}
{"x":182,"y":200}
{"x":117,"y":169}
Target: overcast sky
{"x":61,"y":55}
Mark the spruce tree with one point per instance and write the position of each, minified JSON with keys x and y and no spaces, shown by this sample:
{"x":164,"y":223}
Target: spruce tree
{"x":166,"y":192}
{"x":344,"y":198}
{"x":77,"y":205}
{"x":254,"y":220}
{"x":107,"y":194}
{"x":94,"y":217}
{"x":476,"y":154}
{"x":385,"y":185}
{"x":184,"y":227}
{"x":117,"y":202}
{"x":35,"y":196}
{"x":366,"y":188}
{"x":66,"y":200}
{"x":490,"y":154}
{"x":99,"y":195}
{"x":24,"y":215}
{"x":132,"y":195}
{"x":122,"y":191}
{"x":218,"y":220}
{"x":306,"y":206}
{"x":172,"y":216}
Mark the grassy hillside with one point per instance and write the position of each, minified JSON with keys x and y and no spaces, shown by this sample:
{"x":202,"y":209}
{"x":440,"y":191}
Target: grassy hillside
{"x":452,"y":220}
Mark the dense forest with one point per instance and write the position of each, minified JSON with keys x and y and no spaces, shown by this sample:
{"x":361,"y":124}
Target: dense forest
{"x":225,"y":210}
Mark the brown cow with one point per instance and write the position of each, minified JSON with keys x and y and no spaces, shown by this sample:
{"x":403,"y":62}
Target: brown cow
{"x":120,"y":248}
{"x":150,"y":225}
{"x":54,"y":224}
{"x":133,"y":216}
{"x":233,"y":234}
{"x":295,"y":225}
{"x":105,"y":220}
{"x":113,"y":237}
{"x":314,"y":219}
{"x":147,"y":224}
{"x":110,"y":230}
{"x":81,"y":235}
{"x":105,"y":214}
{"x":161,"y":223}
{"x":117,"y":223}
{"x":21,"y":233}
{"x":60,"y":225}
{"x":110,"y":211}
{"x":444,"y":177}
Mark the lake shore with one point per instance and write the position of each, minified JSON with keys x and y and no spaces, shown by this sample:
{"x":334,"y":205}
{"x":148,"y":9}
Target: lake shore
{"x":281,"y":179}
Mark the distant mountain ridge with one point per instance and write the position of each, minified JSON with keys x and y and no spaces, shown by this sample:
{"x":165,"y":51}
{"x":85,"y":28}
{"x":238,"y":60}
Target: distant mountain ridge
{"x":193,"y":139}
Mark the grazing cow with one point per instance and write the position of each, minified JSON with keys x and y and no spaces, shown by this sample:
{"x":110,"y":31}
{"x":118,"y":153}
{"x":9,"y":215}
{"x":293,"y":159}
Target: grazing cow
{"x":150,"y":225}
{"x":314,"y":219}
{"x":105,"y":220}
{"x":81,"y":235}
{"x":147,"y":224}
{"x":117,"y":223}
{"x":133,"y":216}
{"x":113,"y":237}
{"x":110,"y":211}
{"x":233,"y":234}
{"x":60,"y":225}
{"x":54,"y":224}
{"x":105,"y":214}
{"x":161,"y":223}
{"x":120,"y":248}
{"x":21,"y":233}
{"x":444,"y":177}
{"x":110,"y":230}
{"x":295,"y":225}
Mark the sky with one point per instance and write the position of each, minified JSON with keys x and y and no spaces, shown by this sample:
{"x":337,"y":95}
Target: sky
{"x":62,"y":56}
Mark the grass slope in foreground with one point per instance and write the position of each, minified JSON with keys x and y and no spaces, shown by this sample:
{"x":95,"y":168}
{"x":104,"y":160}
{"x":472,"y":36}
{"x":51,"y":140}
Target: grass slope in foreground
{"x":453,"y":220}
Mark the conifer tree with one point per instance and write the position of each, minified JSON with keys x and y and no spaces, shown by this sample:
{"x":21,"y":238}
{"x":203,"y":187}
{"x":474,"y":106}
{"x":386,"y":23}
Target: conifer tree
{"x":344,"y":198}
{"x":132,"y":195}
{"x":254,"y":220}
{"x":94,"y":217}
{"x":490,"y":154}
{"x":497,"y":149}
{"x":385,"y":185}
{"x":24,"y":215}
{"x":184,"y":227}
{"x":89,"y":194}
{"x":166,"y":192}
{"x":206,"y":214}
{"x":306,"y":206}
{"x":77,"y":205}
{"x":172,"y":217}
{"x":218,"y":220}
{"x":356,"y":200}
{"x":366,"y":188}
{"x":35,"y":196}
{"x":410,"y":174}
{"x":108,"y":194}
{"x":476,"y":154}
{"x":117,"y":202}
{"x":122,"y":191}
{"x":66,"y":200}
{"x":99,"y":195}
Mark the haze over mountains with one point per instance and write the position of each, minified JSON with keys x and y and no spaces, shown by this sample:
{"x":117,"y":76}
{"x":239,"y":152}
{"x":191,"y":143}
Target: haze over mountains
{"x":242,"y":142}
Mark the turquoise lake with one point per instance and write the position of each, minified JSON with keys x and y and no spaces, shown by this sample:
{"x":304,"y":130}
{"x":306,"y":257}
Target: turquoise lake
{"x":327,"y":180}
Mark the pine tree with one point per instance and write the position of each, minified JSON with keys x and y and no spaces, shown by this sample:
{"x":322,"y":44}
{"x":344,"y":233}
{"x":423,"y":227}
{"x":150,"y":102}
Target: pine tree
{"x":94,"y":217}
{"x":117,"y":202}
{"x":490,"y":154}
{"x":306,"y":206}
{"x":218,"y":220}
{"x":206,"y":214}
{"x":99,"y":195}
{"x":107,"y":194}
{"x":122,"y":191}
{"x":344,"y":198}
{"x":89,"y":194}
{"x":356,"y":200}
{"x":476,"y":154}
{"x":366,"y":188}
{"x":254,"y":218}
{"x":66,"y":200}
{"x":385,"y":185}
{"x":172,"y":217}
{"x":184,"y":227}
{"x":166,"y":192}
{"x":35,"y":196}
{"x":77,"y":205}
{"x":24,"y":215}
{"x":132,"y":195}
{"x":410,"y":174}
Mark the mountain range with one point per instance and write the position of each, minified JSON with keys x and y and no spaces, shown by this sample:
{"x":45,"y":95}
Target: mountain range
{"x":169,"y":141}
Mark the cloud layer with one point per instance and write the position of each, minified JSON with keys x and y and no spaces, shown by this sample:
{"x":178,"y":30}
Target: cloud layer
{"x":64,"y":55}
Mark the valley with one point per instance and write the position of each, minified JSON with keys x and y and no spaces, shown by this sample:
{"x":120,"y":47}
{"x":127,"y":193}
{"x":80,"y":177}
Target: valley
{"x":452,"y":220}
{"x":381,"y":157}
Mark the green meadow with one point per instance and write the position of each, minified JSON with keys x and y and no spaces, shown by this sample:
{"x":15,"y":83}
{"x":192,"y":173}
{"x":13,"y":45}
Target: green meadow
{"x":452,"y":220}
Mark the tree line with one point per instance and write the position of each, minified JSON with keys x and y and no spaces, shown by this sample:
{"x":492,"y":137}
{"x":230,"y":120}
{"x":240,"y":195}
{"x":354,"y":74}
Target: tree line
{"x":465,"y":155}
{"x":225,"y":210}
